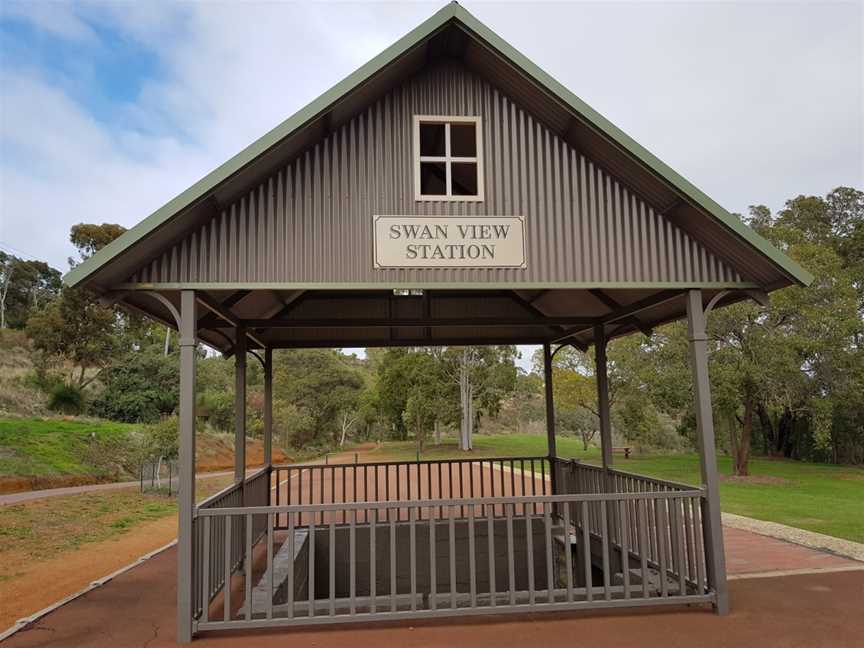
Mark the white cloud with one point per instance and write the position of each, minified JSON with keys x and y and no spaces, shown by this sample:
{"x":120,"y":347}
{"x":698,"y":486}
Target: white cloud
{"x":753,"y":102}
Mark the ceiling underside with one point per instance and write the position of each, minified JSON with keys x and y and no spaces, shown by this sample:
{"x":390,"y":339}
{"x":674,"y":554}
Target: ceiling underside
{"x":380,"y":318}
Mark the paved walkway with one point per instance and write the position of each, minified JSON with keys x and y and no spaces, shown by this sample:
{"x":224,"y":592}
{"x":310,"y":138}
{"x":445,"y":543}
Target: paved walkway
{"x":813,"y":611}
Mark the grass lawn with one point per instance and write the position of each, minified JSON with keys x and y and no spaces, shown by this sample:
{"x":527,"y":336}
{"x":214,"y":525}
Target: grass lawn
{"x":50,"y":447}
{"x":817,"y":497}
{"x":45,"y":528}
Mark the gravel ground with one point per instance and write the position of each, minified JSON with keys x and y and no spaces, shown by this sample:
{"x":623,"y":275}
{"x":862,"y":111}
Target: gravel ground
{"x":839,"y":546}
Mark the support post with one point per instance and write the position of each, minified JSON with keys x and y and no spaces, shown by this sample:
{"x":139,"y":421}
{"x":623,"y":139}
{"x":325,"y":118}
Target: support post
{"x":186,"y":496}
{"x":602,"y":375}
{"x":550,"y":413}
{"x":712,"y":530}
{"x":240,"y":405}
{"x":268,"y":407}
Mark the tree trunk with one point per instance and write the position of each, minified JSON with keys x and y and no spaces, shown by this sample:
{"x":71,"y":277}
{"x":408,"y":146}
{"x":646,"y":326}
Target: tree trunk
{"x":437,"y":428}
{"x":167,"y":340}
{"x":742,"y":458}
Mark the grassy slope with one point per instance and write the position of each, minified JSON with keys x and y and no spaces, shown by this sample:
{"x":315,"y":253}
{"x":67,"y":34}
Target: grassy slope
{"x":46,"y":447}
{"x":817,"y":497}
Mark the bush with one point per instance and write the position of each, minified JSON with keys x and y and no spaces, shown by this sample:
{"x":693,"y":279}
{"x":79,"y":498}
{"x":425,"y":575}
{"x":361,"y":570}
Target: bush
{"x":66,"y":399}
{"x":140,"y":387}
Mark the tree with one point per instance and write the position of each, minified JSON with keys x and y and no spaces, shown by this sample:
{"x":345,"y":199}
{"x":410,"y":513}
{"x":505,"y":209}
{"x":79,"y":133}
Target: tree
{"x":317,"y":386}
{"x":485,"y":375}
{"x":77,"y":330}
{"x":89,"y":238}
{"x":24,"y":287}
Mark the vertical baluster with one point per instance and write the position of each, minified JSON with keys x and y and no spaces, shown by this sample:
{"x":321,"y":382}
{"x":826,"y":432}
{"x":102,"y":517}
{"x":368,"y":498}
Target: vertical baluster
{"x":529,"y":542}
{"x":373,"y":561}
{"x":679,"y":533}
{"x":604,"y":534}
{"x":387,"y":488}
{"x":331,"y":594}
{"x":412,"y":555}
{"x":688,"y":541}
{"x":511,"y":565}
{"x":490,"y":537}
{"x":472,"y":558}
{"x":310,"y":578}
{"x":501,"y":471}
{"x":482,"y":487}
{"x":247,"y":564}
{"x":270,"y":592}
{"x":533,"y":489}
{"x":461,"y":489}
{"x":697,"y":542}
{"x":660,"y":523}
{"x":392,"y":564}
{"x":433,"y":573}
{"x":586,"y":552}
{"x":299,"y":493}
{"x":292,"y":551}
{"x":642,"y":526}
{"x":226,"y":587}
{"x":322,"y":493}
{"x":440,"y":491}
{"x":205,"y":587}
{"x":452,"y":554}
{"x":624,"y":512}
{"x":568,"y":553}
{"x":352,"y":563}
{"x":550,"y":582}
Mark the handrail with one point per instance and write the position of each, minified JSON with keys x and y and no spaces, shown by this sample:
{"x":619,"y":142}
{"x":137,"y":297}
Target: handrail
{"x":207,"y":503}
{"x":476,"y":501}
{"x":625,"y":473}
{"x":411,"y":462}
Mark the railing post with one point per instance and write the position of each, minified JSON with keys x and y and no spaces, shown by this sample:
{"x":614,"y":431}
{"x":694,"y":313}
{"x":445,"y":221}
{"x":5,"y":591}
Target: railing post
{"x":550,"y":415}
{"x":712,"y":528}
{"x":268,"y":407}
{"x":186,"y":497}
{"x":240,"y":404}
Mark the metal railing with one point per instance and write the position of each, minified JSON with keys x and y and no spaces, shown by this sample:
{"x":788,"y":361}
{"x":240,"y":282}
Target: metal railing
{"x":666,"y":534}
{"x":431,"y":565}
{"x":387,"y":540}
{"x":221,"y":545}
{"x":389,"y":481}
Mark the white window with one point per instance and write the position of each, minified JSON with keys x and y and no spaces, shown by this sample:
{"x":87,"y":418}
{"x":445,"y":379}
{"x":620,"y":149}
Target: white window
{"x":448,"y":162}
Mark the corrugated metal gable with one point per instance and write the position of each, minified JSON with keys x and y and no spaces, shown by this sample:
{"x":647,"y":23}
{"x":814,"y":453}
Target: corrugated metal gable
{"x":311,"y":221}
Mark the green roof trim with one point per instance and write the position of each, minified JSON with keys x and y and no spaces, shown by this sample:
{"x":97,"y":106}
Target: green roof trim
{"x":450,"y":12}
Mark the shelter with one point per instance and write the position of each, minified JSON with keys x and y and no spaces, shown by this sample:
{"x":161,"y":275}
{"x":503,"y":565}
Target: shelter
{"x":448,"y":192}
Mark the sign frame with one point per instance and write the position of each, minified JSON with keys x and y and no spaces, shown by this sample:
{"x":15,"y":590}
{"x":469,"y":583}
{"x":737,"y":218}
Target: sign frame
{"x":452,"y":265}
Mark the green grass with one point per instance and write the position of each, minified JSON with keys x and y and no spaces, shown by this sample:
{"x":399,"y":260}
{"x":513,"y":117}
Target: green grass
{"x":51,"y":447}
{"x":816,"y":497}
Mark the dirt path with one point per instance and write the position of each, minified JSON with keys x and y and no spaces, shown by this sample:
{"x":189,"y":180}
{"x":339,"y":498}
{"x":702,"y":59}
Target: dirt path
{"x":29,"y":496}
{"x":39,"y":584}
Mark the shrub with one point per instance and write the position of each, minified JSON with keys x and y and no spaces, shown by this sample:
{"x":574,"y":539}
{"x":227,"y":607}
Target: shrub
{"x":141,"y":386}
{"x":66,"y":399}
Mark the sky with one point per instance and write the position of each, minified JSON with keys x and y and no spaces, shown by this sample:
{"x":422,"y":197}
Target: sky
{"x":110,"y":109}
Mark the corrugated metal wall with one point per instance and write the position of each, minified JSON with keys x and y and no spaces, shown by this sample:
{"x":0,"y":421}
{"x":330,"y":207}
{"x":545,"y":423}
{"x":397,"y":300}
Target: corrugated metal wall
{"x":312,"y":220}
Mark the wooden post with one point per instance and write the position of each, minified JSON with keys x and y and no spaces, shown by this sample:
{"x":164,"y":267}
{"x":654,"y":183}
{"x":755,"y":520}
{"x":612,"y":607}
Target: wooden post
{"x":712,"y":528}
{"x":240,"y":405}
{"x":186,"y":496}
{"x":550,"y":413}
{"x":602,"y":375}
{"x":268,"y":407}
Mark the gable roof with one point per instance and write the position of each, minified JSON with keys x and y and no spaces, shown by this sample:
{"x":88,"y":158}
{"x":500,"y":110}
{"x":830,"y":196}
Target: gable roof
{"x":590,"y":129}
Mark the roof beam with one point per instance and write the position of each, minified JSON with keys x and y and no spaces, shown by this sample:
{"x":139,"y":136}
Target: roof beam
{"x":387,"y":322}
{"x":208,"y":302}
{"x":613,"y":305}
{"x":210,"y":319}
